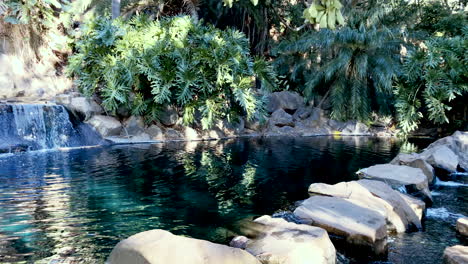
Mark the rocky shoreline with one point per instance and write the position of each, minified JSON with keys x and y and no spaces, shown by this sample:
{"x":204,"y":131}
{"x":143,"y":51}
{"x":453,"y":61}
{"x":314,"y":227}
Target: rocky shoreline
{"x":289,"y":115}
{"x":356,"y":216}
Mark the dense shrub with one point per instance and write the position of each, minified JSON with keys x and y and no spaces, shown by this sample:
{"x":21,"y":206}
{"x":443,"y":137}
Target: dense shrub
{"x":434,"y":76}
{"x":143,"y":65}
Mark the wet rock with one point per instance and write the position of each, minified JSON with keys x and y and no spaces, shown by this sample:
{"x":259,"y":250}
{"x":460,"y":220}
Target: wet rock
{"x":441,"y":157}
{"x":313,"y":120}
{"x":169,"y":116}
{"x":280,"y":118}
{"x":285,"y":100}
{"x":172,"y":134}
{"x":462,"y":226}
{"x":376,"y":196}
{"x":363,"y":228}
{"x":159,"y":246}
{"x":253,"y":124}
{"x":415,"y":161}
{"x":106,"y":125}
{"x":133,"y":126}
{"x":397,"y":176}
{"x":82,"y":107}
{"x":456,"y":255}
{"x":155,"y":132}
{"x":417,"y":206}
{"x":336,"y":125}
{"x":282,"y":242}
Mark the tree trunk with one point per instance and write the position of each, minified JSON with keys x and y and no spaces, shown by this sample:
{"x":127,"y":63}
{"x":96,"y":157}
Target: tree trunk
{"x":115,"y":9}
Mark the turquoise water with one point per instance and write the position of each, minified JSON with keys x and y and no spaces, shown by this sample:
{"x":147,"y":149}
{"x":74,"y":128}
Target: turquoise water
{"x":83,"y":201}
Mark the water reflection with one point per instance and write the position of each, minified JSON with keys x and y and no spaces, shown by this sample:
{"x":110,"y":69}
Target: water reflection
{"x":86,"y":200}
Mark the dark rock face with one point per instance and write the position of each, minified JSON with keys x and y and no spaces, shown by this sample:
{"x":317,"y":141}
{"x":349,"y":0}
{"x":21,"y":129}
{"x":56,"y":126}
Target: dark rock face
{"x":169,"y":116}
{"x":34,"y":126}
{"x":280,"y":118}
{"x":288,"y":101}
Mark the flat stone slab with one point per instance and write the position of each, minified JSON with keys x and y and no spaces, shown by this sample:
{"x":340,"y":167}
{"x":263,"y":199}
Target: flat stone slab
{"x":283,"y":242}
{"x":462,"y":226}
{"x":359,"y":225}
{"x":377,"y":196}
{"x":414,"y":160}
{"x":413,"y":179}
{"x":456,"y":255}
{"x":159,"y":246}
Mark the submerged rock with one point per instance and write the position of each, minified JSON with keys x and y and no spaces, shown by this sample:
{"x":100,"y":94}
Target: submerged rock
{"x":462,"y":226}
{"x":376,"y":196}
{"x":282,"y":242}
{"x":359,"y":226}
{"x":456,"y":255}
{"x":159,"y":246}
{"x":106,"y":125}
{"x":412,"y":179}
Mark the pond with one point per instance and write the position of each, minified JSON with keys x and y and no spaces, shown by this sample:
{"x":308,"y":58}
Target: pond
{"x":86,"y":200}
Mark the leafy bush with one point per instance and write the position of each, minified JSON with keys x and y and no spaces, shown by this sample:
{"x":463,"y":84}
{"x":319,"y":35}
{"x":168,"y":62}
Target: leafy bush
{"x":143,"y":65}
{"x":355,"y":65}
{"x":434,"y":76}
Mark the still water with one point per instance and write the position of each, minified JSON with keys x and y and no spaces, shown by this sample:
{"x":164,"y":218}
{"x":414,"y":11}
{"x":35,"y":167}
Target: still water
{"x":83,"y":201}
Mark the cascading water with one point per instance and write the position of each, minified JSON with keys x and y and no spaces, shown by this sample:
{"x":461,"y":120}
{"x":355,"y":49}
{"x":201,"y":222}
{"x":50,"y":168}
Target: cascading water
{"x":40,"y":126}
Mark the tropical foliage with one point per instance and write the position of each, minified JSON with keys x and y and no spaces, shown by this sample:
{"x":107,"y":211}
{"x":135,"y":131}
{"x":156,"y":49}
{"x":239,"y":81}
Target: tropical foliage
{"x":434,"y":76}
{"x":143,"y":65}
{"x":354,"y":65}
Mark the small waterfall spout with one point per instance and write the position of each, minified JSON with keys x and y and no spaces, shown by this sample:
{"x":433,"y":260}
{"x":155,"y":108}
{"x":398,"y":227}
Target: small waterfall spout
{"x":38,"y":126}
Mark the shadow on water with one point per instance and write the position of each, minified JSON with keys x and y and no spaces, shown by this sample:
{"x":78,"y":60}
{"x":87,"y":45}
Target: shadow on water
{"x":86,"y":200}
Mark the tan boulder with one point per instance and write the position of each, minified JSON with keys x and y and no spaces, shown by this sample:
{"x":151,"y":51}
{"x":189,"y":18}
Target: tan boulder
{"x":376,"y":196}
{"x":397,"y":176}
{"x":417,"y":206}
{"x":462,"y":226}
{"x":283,"y":242}
{"x":159,"y":246}
{"x":415,"y":161}
{"x":456,"y":255}
{"x":358,"y":225}
{"x":106,"y":125}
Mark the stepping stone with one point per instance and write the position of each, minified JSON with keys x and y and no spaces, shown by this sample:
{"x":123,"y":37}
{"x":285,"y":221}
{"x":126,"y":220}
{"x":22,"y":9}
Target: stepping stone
{"x":456,"y":255}
{"x":462,"y":226}
{"x":412,"y":179}
{"x":159,"y":246}
{"x":358,"y":225}
{"x":377,"y":196}
{"x":283,"y":242}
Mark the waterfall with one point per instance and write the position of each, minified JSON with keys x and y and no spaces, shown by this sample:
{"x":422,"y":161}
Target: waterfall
{"x":38,"y":126}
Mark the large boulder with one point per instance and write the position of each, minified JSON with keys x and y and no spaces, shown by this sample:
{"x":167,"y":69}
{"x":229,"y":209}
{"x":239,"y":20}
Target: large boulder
{"x":280,"y":118}
{"x":376,"y":196}
{"x":441,"y":157}
{"x":416,"y":161}
{"x":458,"y":143}
{"x":289,"y":101}
{"x":412,"y":179}
{"x":82,"y":107}
{"x":134,"y":125}
{"x":191,"y":134}
{"x":155,"y":132}
{"x":159,"y":246}
{"x":106,"y":125}
{"x":462,"y":226}
{"x":310,"y":117}
{"x":231,"y":128}
{"x":363,"y":228}
{"x":355,"y":128}
{"x":456,"y":255}
{"x":282,"y":242}
{"x":172,"y":134}
{"x":168,"y":116}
